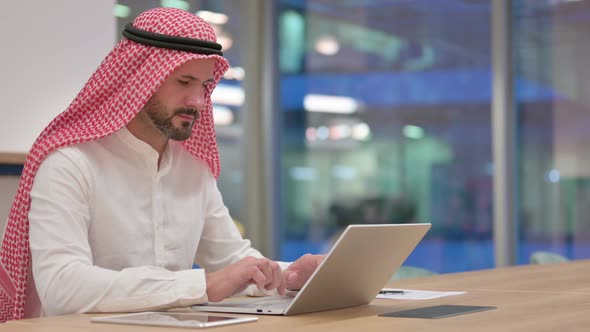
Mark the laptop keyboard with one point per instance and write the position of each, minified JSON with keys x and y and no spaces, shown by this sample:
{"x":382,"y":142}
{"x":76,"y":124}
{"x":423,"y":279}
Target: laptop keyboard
{"x":282,"y":302}
{"x":262,"y":302}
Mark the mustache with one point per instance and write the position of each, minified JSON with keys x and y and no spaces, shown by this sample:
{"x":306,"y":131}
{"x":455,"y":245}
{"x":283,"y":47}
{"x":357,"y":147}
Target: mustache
{"x":187,"y":111}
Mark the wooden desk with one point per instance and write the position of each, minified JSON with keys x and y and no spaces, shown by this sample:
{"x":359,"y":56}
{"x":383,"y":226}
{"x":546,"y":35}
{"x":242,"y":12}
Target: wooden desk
{"x":568,"y":277}
{"x":12,"y":158}
{"x":529,"y":298}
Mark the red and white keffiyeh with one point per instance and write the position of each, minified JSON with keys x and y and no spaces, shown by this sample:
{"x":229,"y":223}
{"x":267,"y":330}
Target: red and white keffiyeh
{"x":115,"y":93}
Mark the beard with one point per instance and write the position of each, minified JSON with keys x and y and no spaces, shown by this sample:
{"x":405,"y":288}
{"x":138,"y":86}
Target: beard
{"x":159,"y":116}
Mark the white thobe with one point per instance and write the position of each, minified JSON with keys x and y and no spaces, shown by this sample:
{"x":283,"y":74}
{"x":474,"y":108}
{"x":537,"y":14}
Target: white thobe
{"x":112,"y":232}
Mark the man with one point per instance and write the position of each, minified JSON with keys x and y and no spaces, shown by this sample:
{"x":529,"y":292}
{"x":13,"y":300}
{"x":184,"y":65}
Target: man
{"x":118,"y":196}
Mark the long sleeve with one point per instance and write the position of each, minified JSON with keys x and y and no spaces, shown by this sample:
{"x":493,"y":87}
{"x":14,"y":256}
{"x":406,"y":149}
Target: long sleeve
{"x":62,"y":259}
{"x":221,"y":243}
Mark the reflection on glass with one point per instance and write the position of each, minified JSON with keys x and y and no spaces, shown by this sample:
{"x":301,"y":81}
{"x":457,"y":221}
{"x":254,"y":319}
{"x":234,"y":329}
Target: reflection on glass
{"x":386,"y":119}
{"x":551,"y":55}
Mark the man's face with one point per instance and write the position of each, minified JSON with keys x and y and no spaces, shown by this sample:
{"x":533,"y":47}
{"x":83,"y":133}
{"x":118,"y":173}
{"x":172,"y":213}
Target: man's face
{"x":175,"y":106}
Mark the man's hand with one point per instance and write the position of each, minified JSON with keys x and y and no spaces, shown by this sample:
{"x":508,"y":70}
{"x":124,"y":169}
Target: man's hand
{"x":297,"y":273}
{"x":235,"y":277}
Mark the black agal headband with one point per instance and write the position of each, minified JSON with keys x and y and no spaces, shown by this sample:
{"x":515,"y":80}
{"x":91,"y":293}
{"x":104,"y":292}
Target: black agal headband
{"x":171,"y":42}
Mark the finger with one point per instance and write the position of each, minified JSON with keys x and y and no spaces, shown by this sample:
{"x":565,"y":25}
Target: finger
{"x":243,"y":287}
{"x":276,"y":276}
{"x":255,"y":273}
{"x":265,"y":267}
{"x":292,"y":280}
{"x":319,"y":259}
{"x":258,"y":277}
{"x":282,"y":284}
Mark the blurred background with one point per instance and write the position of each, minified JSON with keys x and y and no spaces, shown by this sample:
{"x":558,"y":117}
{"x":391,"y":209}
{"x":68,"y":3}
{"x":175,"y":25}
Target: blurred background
{"x":338,"y":112}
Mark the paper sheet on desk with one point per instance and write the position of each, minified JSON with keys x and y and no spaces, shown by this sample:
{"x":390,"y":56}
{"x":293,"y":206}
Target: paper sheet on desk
{"x":414,"y":294}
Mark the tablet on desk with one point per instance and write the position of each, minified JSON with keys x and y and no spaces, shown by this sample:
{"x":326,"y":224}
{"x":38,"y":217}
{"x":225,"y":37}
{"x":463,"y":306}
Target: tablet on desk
{"x":174,"y":319}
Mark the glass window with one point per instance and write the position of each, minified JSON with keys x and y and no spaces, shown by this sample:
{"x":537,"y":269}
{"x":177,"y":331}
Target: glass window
{"x":386,"y":119}
{"x":551,"y":55}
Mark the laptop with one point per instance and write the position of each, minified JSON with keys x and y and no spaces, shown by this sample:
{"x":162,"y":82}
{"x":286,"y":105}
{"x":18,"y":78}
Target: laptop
{"x":359,"y":264}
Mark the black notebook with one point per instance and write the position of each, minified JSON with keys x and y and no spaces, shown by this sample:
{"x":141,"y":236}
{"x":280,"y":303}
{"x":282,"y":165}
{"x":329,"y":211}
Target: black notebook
{"x":438,"y":311}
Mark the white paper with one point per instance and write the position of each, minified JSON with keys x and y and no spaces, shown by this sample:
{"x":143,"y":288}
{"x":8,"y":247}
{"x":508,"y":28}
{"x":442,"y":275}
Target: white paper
{"x":414,"y":294}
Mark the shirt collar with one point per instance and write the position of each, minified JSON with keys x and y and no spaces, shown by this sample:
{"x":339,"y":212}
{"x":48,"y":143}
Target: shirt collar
{"x":146,"y":150}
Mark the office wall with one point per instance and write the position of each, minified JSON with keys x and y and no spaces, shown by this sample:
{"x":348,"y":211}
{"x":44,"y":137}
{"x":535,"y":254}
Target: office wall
{"x":49,"y":50}
{"x":8,"y":185}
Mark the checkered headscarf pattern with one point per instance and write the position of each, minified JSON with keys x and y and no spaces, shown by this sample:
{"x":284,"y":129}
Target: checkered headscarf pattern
{"x":115,"y":93}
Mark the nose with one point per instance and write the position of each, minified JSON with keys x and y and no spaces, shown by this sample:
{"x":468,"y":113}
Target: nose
{"x":196,"y":99}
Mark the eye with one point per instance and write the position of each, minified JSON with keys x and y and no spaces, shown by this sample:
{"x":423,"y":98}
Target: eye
{"x":183,"y":82}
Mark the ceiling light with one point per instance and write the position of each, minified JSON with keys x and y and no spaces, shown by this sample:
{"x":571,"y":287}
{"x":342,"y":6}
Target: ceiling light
{"x":180,"y":4}
{"x":414,"y":132}
{"x":121,"y":11}
{"x":553,"y":176}
{"x":330,"y":104}
{"x":212,"y":17}
{"x":311,"y":134}
{"x":303,"y":173}
{"x":323,"y":133}
{"x":225,"y":41}
{"x":228,"y":95}
{"x":327,"y":45}
{"x":222,"y":115}
{"x":235,"y":73}
{"x":361,"y":131}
